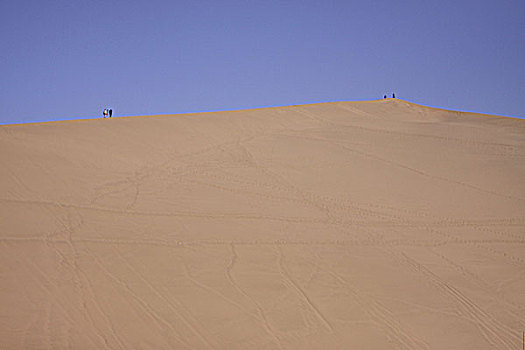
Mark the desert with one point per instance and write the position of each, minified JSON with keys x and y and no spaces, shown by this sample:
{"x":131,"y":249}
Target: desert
{"x":377,"y":224}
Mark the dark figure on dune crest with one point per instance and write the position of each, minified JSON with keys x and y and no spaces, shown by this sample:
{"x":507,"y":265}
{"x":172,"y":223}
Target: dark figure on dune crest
{"x":384,"y":97}
{"x":393,"y":95}
{"x":107,"y":112}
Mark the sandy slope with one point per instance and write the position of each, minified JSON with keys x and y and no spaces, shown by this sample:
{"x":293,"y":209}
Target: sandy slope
{"x":365,"y":225}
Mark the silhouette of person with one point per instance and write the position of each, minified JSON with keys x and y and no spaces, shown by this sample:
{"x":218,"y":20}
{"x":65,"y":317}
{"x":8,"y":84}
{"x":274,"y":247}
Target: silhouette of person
{"x":110,"y":113}
{"x":393,"y":95}
{"x":384,"y":97}
{"x":105,"y":113}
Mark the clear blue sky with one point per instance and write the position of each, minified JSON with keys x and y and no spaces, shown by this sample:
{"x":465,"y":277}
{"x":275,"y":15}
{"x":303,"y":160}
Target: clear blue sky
{"x":70,"y":59}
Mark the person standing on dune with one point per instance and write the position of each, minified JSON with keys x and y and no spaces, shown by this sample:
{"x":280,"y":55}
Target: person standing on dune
{"x":105,"y":113}
{"x":110,"y":112}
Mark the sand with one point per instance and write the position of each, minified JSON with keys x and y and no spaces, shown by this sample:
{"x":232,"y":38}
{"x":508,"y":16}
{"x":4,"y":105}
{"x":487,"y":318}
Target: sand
{"x":347,"y":225}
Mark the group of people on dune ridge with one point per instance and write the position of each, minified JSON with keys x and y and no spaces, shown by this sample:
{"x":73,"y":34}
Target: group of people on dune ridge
{"x":107,"y":111}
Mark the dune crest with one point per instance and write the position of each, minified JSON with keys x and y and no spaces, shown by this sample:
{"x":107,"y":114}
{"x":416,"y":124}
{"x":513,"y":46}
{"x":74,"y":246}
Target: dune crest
{"x":371,"y":225}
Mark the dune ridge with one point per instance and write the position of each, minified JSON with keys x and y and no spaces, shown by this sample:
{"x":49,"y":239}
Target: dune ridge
{"x":373,"y":224}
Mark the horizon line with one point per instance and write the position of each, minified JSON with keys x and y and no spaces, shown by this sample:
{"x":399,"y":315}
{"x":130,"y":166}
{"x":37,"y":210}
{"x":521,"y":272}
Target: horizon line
{"x":267,"y":107}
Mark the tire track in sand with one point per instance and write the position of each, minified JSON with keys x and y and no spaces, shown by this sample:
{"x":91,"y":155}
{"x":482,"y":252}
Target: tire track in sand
{"x":379,"y":313}
{"x":495,"y":332}
{"x":290,"y":282}
{"x":269,"y":329}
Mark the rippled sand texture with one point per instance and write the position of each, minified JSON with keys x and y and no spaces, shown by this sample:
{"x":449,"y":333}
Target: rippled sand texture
{"x":364,"y":225}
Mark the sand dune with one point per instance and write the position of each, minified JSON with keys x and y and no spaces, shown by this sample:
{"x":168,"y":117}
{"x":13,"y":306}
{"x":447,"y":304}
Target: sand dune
{"x":348,"y":225}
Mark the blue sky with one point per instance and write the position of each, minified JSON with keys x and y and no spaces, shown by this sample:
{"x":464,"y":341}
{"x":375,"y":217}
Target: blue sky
{"x":70,"y":59}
